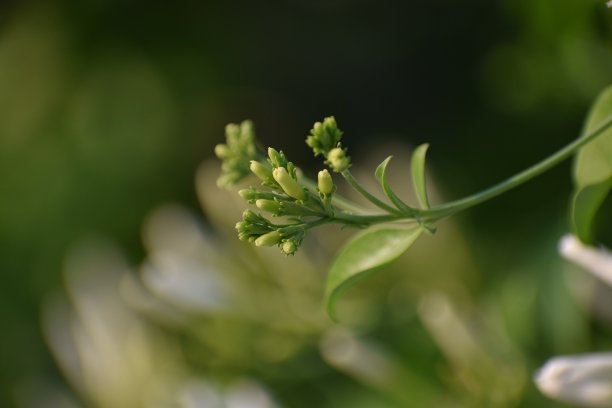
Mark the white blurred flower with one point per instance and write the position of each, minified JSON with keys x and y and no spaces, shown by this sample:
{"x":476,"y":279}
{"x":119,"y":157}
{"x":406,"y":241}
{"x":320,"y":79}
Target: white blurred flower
{"x":598,"y":261}
{"x":113,"y":357}
{"x":584,"y":379}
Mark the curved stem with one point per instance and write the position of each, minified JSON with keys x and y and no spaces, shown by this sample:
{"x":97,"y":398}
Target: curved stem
{"x":355,"y":184}
{"x":453,"y":207}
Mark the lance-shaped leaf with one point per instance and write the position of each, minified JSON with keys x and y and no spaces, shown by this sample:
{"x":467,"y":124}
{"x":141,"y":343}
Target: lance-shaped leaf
{"x":592,"y":170}
{"x":364,"y":254}
{"x":418,"y":174}
{"x":380,"y":174}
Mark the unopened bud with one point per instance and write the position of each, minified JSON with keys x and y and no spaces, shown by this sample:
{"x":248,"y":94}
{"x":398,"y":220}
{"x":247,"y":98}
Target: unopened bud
{"x":338,"y":160}
{"x":270,"y":206}
{"x":232,"y":130}
{"x":248,"y":194}
{"x":269,"y":239}
{"x":277,"y":158}
{"x":289,"y":247}
{"x":262,"y":171}
{"x":326,"y":184}
{"x":222,"y":151}
{"x":247,"y":128}
{"x":250,"y":217}
{"x":289,"y":185}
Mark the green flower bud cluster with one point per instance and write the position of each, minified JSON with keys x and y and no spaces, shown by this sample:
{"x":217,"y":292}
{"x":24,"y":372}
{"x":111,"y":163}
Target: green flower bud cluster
{"x":324,"y":139}
{"x":279,"y":174}
{"x":286,"y":197}
{"x":324,"y":136}
{"x":253,"y":226}
{"x":283,"y":193}
{"x":237,"y":153}
{"x":257,"y":229}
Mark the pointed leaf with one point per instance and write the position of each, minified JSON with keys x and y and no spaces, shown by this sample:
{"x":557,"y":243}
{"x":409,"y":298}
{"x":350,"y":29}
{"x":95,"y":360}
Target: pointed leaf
{"x":592,"y":170}
{"x":380,"y":174}
{"x":418,"y":174}
{"x":365,"y":254}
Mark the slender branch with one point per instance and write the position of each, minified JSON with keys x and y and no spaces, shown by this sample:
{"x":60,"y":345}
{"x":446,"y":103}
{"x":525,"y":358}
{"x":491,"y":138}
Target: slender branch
{"x":320,"y":211}
{"x":444,"y":210}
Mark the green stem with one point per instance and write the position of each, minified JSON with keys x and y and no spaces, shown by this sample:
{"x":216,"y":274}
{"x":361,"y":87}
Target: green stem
{"x":347,"y":219}
{"x":313,"y":224}
{"x":355,"y":184}
{"x":365,"y":220}
{"x":337,"y":199}
{"x":453,"y":207}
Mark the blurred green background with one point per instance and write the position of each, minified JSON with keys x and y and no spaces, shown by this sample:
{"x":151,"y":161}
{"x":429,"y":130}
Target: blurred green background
{"x":108,"y":107}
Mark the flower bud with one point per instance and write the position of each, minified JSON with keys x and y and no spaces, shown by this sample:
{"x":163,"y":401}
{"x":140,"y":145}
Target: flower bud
{"x":289,"y":247}
{"x":236,"y":153}
{"x":289,"y":185}
{"x":240,"y":226}
{"x":277,"y":158}
{"x":270,"y":206}
{"x":269,"y":239}
{"x":262,"y":171}
{"x":247,"y":129}
{"x":222,"y":151}
{"x":248,"y":194}
{"x":250,"y":217}
{"x":232,"y":131}
{"x":326,"y":184}
{"x":338,"y":160}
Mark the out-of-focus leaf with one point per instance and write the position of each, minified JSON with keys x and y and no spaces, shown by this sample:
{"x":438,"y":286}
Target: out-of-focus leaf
{"x":365,"y":254}
{"x":418,"y":174}
{"x":592,"y":170}
{"x":586,"y":202}
{"x":380,"y":174}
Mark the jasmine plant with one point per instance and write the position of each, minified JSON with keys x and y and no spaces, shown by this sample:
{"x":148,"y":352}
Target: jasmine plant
{"x":293,"y":204}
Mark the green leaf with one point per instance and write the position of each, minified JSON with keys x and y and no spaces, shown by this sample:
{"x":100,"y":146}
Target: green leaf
{"x":418,"y":174}
{"x":585,"y":204}
{"x":380,"y":174}
{"x":592,"y":170}
{"x":365,"y":254}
